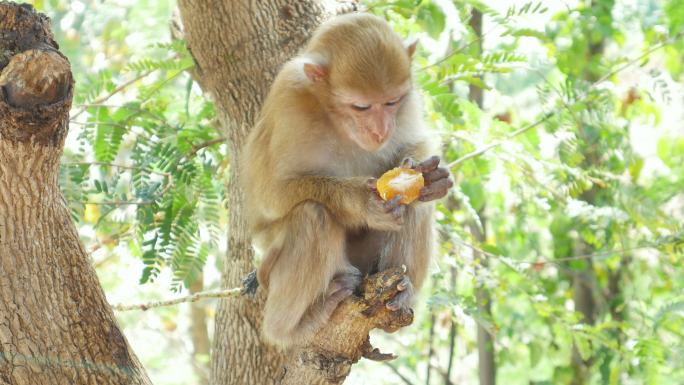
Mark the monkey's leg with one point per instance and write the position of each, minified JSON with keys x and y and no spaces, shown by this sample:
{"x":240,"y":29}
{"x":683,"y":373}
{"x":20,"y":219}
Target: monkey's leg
{"x":412,"y":246}
{"x":310,"y":276}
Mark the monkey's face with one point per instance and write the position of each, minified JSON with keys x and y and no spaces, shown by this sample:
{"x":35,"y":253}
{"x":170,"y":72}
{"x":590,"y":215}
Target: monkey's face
{"x":370,"y":122}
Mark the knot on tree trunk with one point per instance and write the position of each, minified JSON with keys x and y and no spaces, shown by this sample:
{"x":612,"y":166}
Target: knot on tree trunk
{"x":344,"y":339}
{"x":35,"y":80}
{"x":21,"y":29}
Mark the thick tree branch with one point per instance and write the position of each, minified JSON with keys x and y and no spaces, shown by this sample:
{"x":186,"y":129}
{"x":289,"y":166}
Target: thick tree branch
{"x":344,"y":339}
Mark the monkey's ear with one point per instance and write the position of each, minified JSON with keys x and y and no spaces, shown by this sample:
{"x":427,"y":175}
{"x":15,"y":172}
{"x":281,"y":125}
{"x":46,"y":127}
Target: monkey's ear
{"x":411,"y":46}
{"x":315,"y":72}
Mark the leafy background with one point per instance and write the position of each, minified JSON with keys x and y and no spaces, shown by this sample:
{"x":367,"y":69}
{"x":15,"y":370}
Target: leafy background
{"x":563,"y":238}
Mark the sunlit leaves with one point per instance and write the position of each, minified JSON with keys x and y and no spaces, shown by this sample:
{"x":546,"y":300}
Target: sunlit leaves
{"x":155,"y":162}
{"x":572,"y":195}
{"x":431,"y":18}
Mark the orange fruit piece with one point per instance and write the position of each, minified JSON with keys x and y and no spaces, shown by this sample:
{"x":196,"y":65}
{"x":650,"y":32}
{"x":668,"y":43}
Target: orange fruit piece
{"x":400,"y":181}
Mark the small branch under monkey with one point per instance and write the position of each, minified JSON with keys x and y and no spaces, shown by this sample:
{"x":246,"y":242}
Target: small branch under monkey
{"x":225,"y":293}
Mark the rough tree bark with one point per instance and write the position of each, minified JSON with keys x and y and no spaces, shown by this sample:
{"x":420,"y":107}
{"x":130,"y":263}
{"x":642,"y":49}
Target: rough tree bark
{"x":238,"y":47}
{"x":55,"y":324}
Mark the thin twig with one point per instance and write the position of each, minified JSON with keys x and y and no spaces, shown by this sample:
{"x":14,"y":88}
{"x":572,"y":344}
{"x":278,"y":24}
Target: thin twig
{"x":163,"y":83}
{"x":227,"y":293}
{"x":114,"y":165}
{"x":114,"y":92}
{"x":588,"y":256}
{"x":563,"y":259}
{"x":196,"y":148}
{"x":452,"y":333}
{"x":396,"y":371}
{"x":102,"y":242}
{"x":548,"y":115}
{"x":497,"y":143}
{"x":629,"y":63}
{"x":442,"y":372}
{"x":458,"y":50}
{"x":430,"y":347}
{"x":131,"y":108}
{"x":112,"y":124}
{"x":121,"y":203}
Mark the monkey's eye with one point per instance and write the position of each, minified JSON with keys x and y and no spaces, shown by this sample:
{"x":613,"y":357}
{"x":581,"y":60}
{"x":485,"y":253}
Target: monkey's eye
{"x":361,"y":107}
{"x":393,"y":102}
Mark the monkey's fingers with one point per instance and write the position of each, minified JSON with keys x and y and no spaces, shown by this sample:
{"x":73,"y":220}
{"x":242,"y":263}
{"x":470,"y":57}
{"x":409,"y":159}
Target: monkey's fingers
{"x":408,"y":163}
{"x":398,"y":214}
{"x":392,"y":204}
{"x":396,"y":209}
{"x":372,"y":184}
{"x":404,"y":284}
{"x":436,"y":190}
{"x":437,"y":174}
{"x":428,"y":165}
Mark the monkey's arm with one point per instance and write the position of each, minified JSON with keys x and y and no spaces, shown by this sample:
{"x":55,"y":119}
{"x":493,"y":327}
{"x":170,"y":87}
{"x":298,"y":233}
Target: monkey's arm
{"x":350,"y":200}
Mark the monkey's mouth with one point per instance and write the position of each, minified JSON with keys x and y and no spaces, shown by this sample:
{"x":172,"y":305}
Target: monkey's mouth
{"x":373,"y":143}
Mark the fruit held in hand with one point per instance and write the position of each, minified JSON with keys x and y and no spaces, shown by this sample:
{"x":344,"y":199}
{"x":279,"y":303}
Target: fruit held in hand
{"x":400,"y":181}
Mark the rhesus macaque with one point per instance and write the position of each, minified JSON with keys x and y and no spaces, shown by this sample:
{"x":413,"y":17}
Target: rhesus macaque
{"x":338,"y":115}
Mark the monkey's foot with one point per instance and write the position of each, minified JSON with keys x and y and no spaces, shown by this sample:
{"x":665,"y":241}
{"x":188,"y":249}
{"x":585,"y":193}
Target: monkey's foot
{"x":250,"y":284}
{"x":404,"y":296}
{"x":341,"y":287}
{"x":391,"y":289}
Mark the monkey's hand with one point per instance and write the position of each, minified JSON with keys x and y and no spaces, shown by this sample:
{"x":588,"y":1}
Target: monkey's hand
{"x":383,"y":215}
{"x":437,"y":181}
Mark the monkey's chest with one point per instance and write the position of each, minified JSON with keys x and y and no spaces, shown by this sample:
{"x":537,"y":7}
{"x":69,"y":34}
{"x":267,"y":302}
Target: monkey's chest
{"x":361,"y":164}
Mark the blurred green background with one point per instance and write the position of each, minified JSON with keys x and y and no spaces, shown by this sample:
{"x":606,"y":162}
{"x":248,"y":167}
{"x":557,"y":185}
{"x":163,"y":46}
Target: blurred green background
{"x":562,"y":242}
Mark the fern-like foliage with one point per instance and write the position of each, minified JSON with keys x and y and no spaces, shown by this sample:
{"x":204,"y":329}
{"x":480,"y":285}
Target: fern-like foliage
{"x":149,"y":166}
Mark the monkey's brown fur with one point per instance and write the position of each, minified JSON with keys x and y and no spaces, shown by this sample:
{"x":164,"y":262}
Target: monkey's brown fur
{"x":305,"y":177}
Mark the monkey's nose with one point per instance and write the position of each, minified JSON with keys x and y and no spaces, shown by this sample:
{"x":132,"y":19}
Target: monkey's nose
{"x":379,"y":134}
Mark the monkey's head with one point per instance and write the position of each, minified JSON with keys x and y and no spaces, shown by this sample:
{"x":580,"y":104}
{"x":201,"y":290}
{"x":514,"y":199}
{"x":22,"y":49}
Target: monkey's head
{"x":359,"y":69}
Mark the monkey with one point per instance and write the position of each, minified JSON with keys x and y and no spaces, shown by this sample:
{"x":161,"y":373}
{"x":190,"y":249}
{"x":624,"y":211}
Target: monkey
{"x":336,"y":117}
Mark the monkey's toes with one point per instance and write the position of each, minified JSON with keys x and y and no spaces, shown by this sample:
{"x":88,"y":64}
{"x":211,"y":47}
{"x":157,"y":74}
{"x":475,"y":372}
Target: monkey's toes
{"x":401,"y":300}
{"x":333,"y":300}
{"x":250,"y":284}
{"x":381,"y":288}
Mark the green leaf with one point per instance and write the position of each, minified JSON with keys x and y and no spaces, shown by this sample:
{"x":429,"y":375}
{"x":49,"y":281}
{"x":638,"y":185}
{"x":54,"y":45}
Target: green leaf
{"x":536,"y":353}
{"x":582,"y":344}
{"x":431,"y":18}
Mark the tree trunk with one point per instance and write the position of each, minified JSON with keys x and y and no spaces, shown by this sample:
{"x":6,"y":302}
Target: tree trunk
{"x":585,"y":281}
{"x":238,"y":47}
{"x":485,"y":342}
{"x":55,"y":324}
